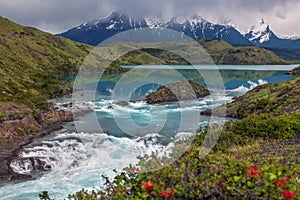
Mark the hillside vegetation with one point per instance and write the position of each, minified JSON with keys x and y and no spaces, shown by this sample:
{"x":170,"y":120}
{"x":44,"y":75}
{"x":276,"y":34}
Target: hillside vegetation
{"x":275,"y":99}
{"x":224,"y":53}
{"x":219,"y":51}
{"x":33,"y":63}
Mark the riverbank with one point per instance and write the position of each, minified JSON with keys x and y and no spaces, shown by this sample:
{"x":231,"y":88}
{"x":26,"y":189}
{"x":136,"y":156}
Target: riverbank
{"x":19,"y":127}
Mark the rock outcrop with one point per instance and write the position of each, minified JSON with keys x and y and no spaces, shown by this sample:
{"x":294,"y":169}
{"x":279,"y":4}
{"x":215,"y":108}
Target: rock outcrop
{"x":295,"y":71}
{"x":178,"y":91}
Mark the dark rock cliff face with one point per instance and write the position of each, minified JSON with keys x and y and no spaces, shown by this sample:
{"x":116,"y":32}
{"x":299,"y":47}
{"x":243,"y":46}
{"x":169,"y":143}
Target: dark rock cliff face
{"x":178,"y":91}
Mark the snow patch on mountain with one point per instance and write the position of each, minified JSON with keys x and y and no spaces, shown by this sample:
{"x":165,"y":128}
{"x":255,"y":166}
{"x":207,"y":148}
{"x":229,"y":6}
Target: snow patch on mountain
{"x":197,"y":20}
{"x":155,"y":23}
{"x":259,"y":33}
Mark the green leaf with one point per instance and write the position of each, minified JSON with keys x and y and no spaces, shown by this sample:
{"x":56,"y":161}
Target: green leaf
{"x":250,"y":184}
{"x":236,"y":178}
{"x":272,"y":176}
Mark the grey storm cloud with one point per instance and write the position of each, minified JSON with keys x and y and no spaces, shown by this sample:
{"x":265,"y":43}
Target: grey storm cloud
{"x":59,"y":15}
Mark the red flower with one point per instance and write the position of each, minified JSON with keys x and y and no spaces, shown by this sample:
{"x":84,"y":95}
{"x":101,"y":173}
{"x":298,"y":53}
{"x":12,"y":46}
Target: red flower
{"x":167,"y":193}
{"x":148,"y":186}
{"x":289,"y":195}
{"x":281,"y":183}
{"x":255,"y":171}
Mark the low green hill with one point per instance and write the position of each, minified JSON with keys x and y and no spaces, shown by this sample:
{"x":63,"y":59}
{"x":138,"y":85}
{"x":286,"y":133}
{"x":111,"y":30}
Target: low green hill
{"x":275,"y":99}
{"x":219,"y":52}
{"x":224,"y":53}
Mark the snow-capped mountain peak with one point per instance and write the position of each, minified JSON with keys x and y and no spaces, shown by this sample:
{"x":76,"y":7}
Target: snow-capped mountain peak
{"x":158,"y":22}
{"x":95,"y":31}
{"x":259,"y":33}
{"x":115,"y":21}
{"x":260,"y":27}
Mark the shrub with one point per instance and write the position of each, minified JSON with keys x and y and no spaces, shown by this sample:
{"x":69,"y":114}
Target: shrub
{"x":267,"y":126}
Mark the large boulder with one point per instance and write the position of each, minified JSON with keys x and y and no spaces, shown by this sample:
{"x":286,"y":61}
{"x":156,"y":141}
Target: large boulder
{"x":177,"y":91}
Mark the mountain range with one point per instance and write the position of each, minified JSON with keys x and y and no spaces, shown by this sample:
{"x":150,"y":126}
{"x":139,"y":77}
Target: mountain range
{"x":95,"y":31}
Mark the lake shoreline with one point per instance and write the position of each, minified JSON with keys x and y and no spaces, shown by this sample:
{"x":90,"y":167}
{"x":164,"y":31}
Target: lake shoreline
{"x":288,"y":67}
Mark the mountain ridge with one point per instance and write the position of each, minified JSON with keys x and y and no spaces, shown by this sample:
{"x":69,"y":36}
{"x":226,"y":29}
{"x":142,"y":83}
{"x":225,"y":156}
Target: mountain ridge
{"x":95,"y":31}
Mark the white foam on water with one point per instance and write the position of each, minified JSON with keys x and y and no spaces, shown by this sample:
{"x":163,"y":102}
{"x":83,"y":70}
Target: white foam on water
{"x":183,"y":135}
{"x":138,"y":104}
{"x":77,"y":161}
{"x":243,"y":89}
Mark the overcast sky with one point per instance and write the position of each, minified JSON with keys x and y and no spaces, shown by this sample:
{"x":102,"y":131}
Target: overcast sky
{"x":57,"y":16}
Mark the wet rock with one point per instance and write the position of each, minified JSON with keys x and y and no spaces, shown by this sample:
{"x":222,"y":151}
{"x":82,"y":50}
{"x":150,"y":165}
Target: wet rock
{"x":110,"y":107}
{"x":122,"y":103}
